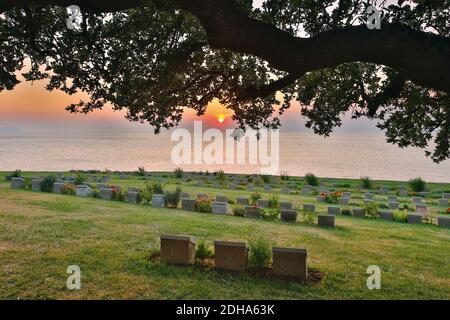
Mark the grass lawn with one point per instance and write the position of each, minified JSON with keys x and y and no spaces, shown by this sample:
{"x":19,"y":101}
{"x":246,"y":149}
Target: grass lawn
{"x":42,"y":234}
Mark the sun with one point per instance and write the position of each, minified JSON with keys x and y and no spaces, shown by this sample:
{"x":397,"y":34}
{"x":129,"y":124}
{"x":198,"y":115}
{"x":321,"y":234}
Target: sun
{"x":221,"y":118}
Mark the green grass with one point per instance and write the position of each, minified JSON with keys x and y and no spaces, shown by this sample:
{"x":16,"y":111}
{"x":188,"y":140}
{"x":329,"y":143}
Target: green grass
{"x":42,"y":234}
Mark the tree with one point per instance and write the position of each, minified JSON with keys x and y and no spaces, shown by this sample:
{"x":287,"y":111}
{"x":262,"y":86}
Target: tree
{"x":156,"y":57}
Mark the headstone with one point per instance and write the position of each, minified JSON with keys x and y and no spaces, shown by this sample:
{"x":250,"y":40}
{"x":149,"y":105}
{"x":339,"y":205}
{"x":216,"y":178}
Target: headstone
{"x":267,"y":188}
{"x":159,"y":201}
{"x":444,"y":222}
{"x":383,"y":191}
{"x":36,"y":185}
{"x":132,"y":196}
{"x":84,"y":191}
{"x":422,"y":208}
{"x":309,"y":207}
{"x":288,"y":215}
{"x":424,"y":194}
{"x":220,"y":208}
{"x":253,"y":212}
{"x":185,"y":195}
{"x":368,"y":196}
{"x":290,"y":263}
{"x":285,"y":205}
{"x":320,"y":198}
{"x":188,"y":204}
{"x":242,"y":201}
{"x":359,"y":212}
{"x":443,"y":202}
{"x":106,"y":193}
{"x":17,"y":183}
{"x":326,"y":221}
{"x":415,"y":218}
{"x":392,"y":198}
{"x":347,"y":195}
{"x":231,"y":256}
{"x":386,"y":215}
{"x":394,"y":205}
{"x":416,"y":199}
{"x":446,"y":196}
{"x":286,"y":191}
{"x":221,"y":199}
{"x":177,"y":249}
{"x":343,"y":200}
{"x":58,"y":186}
{"x":306,"y":191}
{"x":403,"y":193}
{"x":263,"y":203}
{"x":232,"y":186}
{"x":334,"y":210}
{"x":368,"y":201}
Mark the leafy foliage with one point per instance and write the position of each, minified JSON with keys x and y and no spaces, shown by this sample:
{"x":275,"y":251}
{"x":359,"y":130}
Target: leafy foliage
{"x":417,"y":184}
{"x":47,"y":184}
{"x":260,"y":253}
{"x":155,"y":62}
{"x":311,"y":179}
{"x":367,"y":183}
{"x":203,"y":251}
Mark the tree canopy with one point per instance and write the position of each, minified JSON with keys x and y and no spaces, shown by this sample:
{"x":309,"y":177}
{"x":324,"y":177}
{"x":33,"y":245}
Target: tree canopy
{"x":154,"y":58}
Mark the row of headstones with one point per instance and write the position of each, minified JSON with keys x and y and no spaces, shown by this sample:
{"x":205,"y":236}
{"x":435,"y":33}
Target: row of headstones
{"x":389,"y":216}
{"x":233,"y":256}
{"x":106,"y":192}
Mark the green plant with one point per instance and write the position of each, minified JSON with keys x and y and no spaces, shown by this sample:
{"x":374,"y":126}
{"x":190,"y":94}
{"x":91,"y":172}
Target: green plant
{"x":178,"y":173}
{"x":120,"y":195}
{"x":417,"y":184}
{"x":173,"y":198}
{"x":308,"y":217}
{"x":254,"y":197}
{"x":366,"y":182}
{"x":401,"y":216}
{"x":203,"y":251}
{"x":16,"y":174}
{"x":80,"y":178}
{"x":273,"y":201}
{"x":346,"y":212}
{"x":284,"y":176}
{"x":239,"y":211}
{"x":140,"y":171}
{"x":203,"y":204}
{"x":68,"y":189}
{"x":221,"y":177}
{"x":372,"y":210}
{"x":47,"y":183}
{"x":270,"y":213}
{"x":145,"y":196}
{"x":311,"y":179}
{"x":155,"y":186}
{"x":266,"y":178}
{"x":260,"y":253}
{"x":259,"y":181}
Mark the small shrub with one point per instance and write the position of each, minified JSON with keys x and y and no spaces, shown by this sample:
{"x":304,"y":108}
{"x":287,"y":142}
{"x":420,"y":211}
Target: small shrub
{"x":273,"y":202}
{"x":270,"y":213}
{"x":140,"y":171}
{"x":383,"y":206}
{"x":260,"y":253}
{"x":221,"y":177}
{"x":47,"y":184}
{"x":311,"y":179}
{"x":203,"y":251}
{"x":401,"y":216}
{"x":203,"y":205}
{"x":120,"y":195}
{"x":178,"y":173}
{"x":417,"y":184}
{"x":173,"y":198}
{"x":239,"y":211}
{"x":145,"y":196}
{"x":80,"y":178}
{"x":259,"y":181}
{"x":333,"y":197}
{"x":284,"y":176}
{"x":16,"y":174}
{"x":366,"y":183}
{"x":266,"y":178}
{"x":372,"y":210}
{"x":155,"y":187}
{"x":308,"y":217}
{"x":254,"y":197}
{"x":68,"y":189}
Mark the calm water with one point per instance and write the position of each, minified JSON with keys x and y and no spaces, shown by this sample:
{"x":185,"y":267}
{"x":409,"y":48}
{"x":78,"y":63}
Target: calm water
{"x":344,"y":155}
